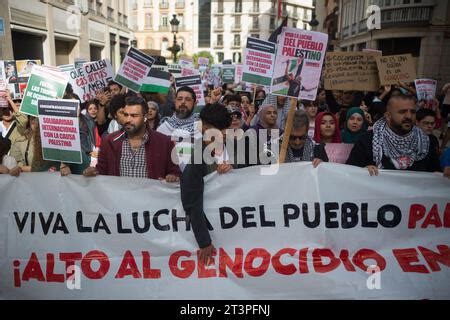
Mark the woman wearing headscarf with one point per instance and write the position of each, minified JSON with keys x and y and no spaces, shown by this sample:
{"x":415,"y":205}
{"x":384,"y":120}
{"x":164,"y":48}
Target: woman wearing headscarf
{"x":355,"y":125}
{"x":326,"y":128}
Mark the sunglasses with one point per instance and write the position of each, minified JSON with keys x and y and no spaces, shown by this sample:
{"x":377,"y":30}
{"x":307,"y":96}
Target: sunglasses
{"x":293,"y":138}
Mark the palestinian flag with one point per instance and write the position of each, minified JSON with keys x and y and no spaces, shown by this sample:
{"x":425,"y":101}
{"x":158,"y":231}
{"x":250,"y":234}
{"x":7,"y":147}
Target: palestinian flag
{"x":157,"y":81}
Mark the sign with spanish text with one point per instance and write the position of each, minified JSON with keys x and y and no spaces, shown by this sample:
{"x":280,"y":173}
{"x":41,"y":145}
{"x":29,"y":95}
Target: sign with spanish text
{"x":228,"y":73}
{"x":426,"y":89}
{"x":90,"y":78}
{"x":134,"y":69}
{"x":393,"y":69}
{"x":298,"y":64}
{"x":351,"y":71}
{"x":295,"y":236}
{"x":59,"y":129}
{"x":259,"y":60}
{"x":44,"y":83}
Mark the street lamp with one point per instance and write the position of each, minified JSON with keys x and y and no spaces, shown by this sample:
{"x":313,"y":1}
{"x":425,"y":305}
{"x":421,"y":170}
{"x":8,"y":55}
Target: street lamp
{"x":175,"y":48}
{"x":313,"y":23}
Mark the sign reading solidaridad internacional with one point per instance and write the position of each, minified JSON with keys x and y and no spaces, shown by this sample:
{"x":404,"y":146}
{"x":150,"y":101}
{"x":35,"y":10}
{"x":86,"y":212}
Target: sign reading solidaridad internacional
{"x":296,"y":236}
{"x":59,"y":129}
{"x":351,"y":71}
{"x":298,"y":64}
{"x":393,"y":69}
{"x":259,"y":58}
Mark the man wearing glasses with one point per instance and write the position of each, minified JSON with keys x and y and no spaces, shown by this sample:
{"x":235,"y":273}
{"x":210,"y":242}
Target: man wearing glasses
{"x":301,"y":146}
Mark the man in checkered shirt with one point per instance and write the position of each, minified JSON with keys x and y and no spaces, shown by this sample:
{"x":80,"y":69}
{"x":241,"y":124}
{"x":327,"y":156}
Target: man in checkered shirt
{"x":136,"y":150}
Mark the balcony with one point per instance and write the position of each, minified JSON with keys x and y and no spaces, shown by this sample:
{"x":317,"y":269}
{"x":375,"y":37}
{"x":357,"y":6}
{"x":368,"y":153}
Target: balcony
{"x":236,"y":27}
{"x":417,"y":15}
{"x":179,"y":5}
{"x":218,"y":27}
{"x":164,"y":5}
{"x":218,"y":44}
{"x":255,"y":10}
{"x":273,"y":11}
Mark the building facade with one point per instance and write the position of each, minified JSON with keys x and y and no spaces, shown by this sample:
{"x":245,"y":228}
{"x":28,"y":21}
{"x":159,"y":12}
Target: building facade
{"x":151,"y":23}
{"x":61,"y":31}
{"x":232,"y":21}
{"x":419,"y":27}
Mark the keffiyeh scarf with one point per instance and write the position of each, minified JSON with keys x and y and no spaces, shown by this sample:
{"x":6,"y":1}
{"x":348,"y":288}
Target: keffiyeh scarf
{"x":402,"y":150}
{"x":308,"y":152}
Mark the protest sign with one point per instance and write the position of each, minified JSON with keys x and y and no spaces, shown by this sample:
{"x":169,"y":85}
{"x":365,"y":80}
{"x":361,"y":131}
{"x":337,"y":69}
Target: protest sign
{"x":186,"y":62}
{"x":195,"y":83}
{"x":214,"y":75}
{"x":59,"y":128}
{"x":160,"y":67}
{"x":393,"y":69}
{"x":189,"y":72}
{"x":298,"y":64}
{"x":259,"y":59}
{"x":16,"y":74}
{"x":228,"y":73}
{"x":157,"y":81}
{"x":134,"y":69}
{"x":203,"y":63}
{"x":295,"y":236}
{"x":90,"y":78}
{"x":238,"y":73}
{"x":338,"y":152}
{"x":351,"y":71}
{"x":426,"y":89}
{"x":175,"y":69}
{"x":44,"y":82}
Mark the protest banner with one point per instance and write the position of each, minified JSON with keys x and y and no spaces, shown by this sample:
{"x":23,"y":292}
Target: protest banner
{"x":298,"y":64}
{"x":90,"y":78}
{"x":338,"y":152}
{"x":228,"y":73}
{"x":259,"y":59}
{"x":393,"y":69}
{"x":59,"y":129}
{"x":175,"y":69}
{"x":426,"y":89}
{"x":295,"y":236}
{"x":157,"y":81}
{"x":44,"y":83}
{"x":351,"y":71}
{"x":195,"y":83}
{"x":134,"y":69}
{"x":189,"y":72}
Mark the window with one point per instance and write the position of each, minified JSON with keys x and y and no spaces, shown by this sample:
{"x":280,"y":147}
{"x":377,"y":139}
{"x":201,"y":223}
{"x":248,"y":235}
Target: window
{"x":237,"y":5}
{"x":255,"y":23}
{"x":220,"y":6}
{"x":164,"y":44}
{"x":220,"y":56}
{"x":220,"y":39}
{"x":255,"y":5}
{"x":237,"y":40}
{"x":148,"y":21}
{"x":237,"y":57}
{"x":164,"y":21}
{"x":272,"y":23}
{"x":180,"y":17}
{"x":294,"y":24}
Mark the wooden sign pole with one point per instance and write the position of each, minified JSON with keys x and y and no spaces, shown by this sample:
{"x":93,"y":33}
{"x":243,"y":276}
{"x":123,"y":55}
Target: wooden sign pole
{"x":287,"y":130}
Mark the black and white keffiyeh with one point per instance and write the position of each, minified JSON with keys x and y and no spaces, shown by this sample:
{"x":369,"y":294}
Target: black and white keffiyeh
{"x":308,"y":152}
{"x":402,"y":150}
{"x":183,"y":124}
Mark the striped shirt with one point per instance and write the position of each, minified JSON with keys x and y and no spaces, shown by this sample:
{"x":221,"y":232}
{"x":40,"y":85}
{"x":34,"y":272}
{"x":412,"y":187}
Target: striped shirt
{"x":133,"y":163}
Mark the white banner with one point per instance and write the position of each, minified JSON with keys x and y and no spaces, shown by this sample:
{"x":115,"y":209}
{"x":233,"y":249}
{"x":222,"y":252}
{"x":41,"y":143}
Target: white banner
{"x":302,"y":233}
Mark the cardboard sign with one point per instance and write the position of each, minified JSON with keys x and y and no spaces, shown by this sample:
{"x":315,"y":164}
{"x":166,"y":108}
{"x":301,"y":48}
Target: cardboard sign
{"x":351,"y":71}
{"x":59,"y":128}
{"x":259,"y":60}
{"x":298,"y":64}
{"x":134,"y":69}
{"x":393,"y":69}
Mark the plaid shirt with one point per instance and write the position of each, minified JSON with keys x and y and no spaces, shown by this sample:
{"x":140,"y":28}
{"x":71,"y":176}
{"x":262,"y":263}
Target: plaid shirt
{"x":134,"y":163}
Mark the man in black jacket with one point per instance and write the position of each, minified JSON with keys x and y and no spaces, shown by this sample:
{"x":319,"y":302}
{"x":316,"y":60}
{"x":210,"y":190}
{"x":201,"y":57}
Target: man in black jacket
{"x":395,"y":142}
{"x":213,"y":116}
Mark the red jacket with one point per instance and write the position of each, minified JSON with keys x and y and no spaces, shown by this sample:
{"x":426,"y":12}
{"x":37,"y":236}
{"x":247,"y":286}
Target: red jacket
{"x":158,"y":150}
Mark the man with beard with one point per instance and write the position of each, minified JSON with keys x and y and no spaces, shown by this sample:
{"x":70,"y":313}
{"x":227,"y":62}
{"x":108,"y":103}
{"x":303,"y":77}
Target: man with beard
{"x":182,"y":125}
{"x":136,"y":150}
{"x":395,"y":142}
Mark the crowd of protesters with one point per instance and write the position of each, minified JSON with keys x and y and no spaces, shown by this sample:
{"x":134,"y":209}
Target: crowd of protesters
{"x":124,"y":133}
